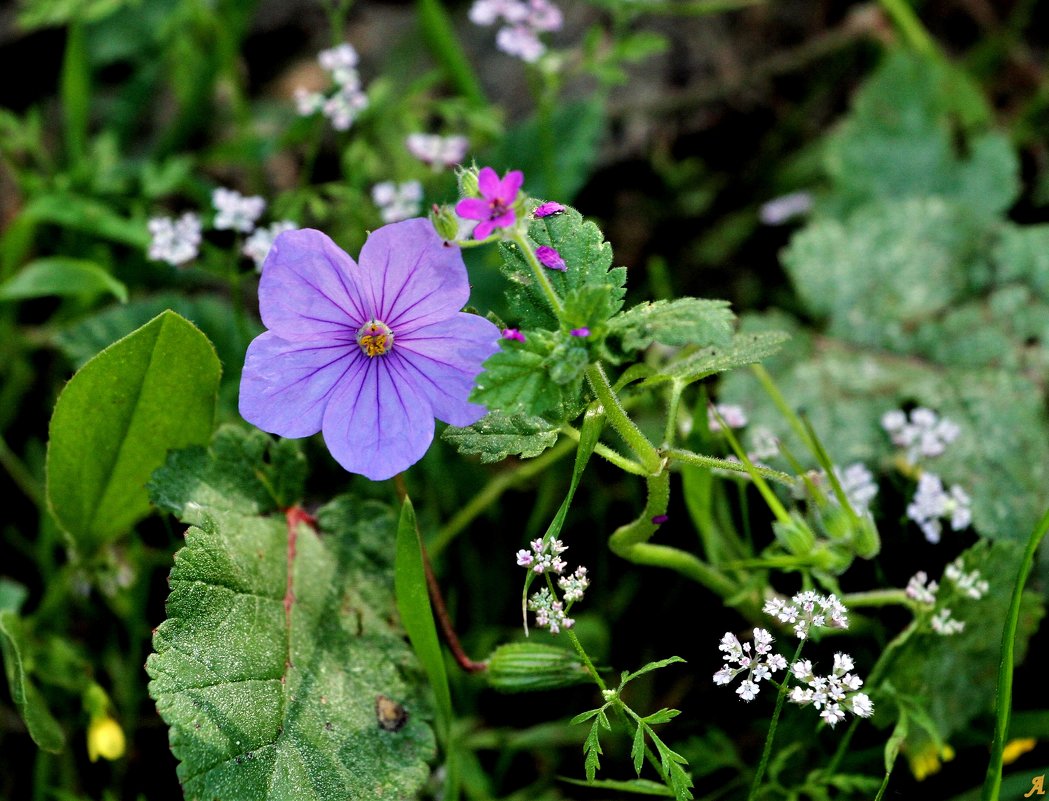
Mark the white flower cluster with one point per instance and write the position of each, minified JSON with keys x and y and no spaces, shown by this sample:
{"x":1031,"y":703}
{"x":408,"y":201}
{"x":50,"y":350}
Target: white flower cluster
{"x":175,"y":241}
{"x":437,"y":151}
{"x":923,"y":434}
{"x":733,"y":415}
{"x":398,"y":201}
{"x":545,"y":557}
{"x":932,"y":503}
{"x":257,"y":246}
{"x":833,"y":695}
{"x":178,"y":241}
{"x":785,"y":208}
{"x":856,"y":481}
{"x":234,"y":211}
{"x":573,"y":587}
{"x":807,"y":610}
{"x":522,"y":21}
{"x":549,"y":612}
{"x":925,"y":592}
{"x":759,"y":663}
{"x":347,"y":101}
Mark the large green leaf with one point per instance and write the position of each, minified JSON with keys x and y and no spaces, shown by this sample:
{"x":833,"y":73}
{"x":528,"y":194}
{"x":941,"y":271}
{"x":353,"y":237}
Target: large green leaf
{"x":117,"y":418}
{"x":742,"y":350}
{"x":533,"y":376}
{"x":280,"y":668}
{"x":62,"y":276}
{"x":43,"y":728}
{"x":686,"y":321}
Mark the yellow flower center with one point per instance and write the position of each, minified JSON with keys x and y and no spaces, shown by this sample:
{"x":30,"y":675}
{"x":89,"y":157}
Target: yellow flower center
{"x":375,"y":339}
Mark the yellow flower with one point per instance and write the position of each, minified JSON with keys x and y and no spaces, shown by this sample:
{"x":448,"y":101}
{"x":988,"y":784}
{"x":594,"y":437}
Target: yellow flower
{"x":1014,"y":749}
{"x":105,"y":739}
{"x":929,"y":760}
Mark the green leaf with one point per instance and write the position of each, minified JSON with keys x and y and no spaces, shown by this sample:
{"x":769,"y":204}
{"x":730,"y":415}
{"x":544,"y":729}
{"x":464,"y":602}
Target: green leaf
{"x":589,"y":307}
{"x":42,"y":726}
{"x":87,"y":216}
{"x":244,"y":471}
{"x":117,"y":418}
{"x":662,"y":663}
{"x":637,"y":749}
{"x":498,"y":435}
{"x":521,"y":379}
{"x":1022,"y":254}
{"x":413,"y":604}
{"x":76,"y":90}
{"x":279,"y":668}
{"x":636,"y":786}
{"x":44,"y":13}
{"x":687,"y":321}
{"x":12,"y":595}
{"x":662,"y":716}
{"x":592,"y":745}
{"x":886,"y":268}
{"x":588,"y":258}
{"x":696,"y":365}
{"x":58,"y":275}
{"x":918,"y":128}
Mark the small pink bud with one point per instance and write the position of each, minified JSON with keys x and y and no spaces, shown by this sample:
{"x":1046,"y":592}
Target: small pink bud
{"x":547,"y":209}
{"x":550,"y":258}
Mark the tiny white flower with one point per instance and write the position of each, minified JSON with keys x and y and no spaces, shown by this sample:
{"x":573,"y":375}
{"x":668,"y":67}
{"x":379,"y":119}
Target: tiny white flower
{"x":725,"y":675}
{"x":832,"y":714}
{"x":843,"y":663}
{"x":521,"y":42}
{"x":437,"y":151}
{"x":862,"y":706}
{"x":802,"y":670}
{"x":734,"y":416}
{"x":174,"y":241}
{"x":784,"y":208}
{"x":747,"y":690}
{"x":234,"y":211}
{"x":397,"y":201}
{"x":257,"y":246}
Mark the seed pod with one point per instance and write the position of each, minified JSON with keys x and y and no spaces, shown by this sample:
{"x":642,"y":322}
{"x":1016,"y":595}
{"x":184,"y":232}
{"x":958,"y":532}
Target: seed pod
{"x":527,"y":667}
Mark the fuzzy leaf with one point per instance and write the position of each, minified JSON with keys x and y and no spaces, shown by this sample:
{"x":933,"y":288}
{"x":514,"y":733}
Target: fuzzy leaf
{"x":14,"y":646}
{"x":498,"y":435}
{"x":687,"y":321}
{"x":696,"y":365}
{"x":244,"y":471}
{"x":531,"y":377}
{"x":290,"y":681}
{"x":1022,"y":254}
{"x":900,"y":141}
{"x":886,"y":268}
{"x":115,"y":421}
{"x":588,"y":259}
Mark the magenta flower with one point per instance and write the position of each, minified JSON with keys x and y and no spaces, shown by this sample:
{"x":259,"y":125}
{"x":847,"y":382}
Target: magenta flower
{"x":547,"y":209}
{"x":580,"y":332}
{"x":550,"y":258}
{"x":513,"y":333}
{"x":495,"y":206}
{"x":368,"y":354}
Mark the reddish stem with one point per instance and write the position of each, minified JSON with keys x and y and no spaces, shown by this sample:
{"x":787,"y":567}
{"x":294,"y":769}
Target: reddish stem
{"x":294,"y":516}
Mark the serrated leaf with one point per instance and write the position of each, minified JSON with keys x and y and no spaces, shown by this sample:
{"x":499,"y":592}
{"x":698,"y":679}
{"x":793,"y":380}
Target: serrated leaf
{"x":902,"y":140}
{"x":519,"y":380}
{"x":32,"y":708}
{"x":153,"y":391}
{"x":637,"y":749}
{"x":62,"y":276}
{"x":662,"y":716}
{"x":686,"y":321}
{"x":884,"y":269}
{"x":242,"y":470}
{"x":661,"y":663}
{"x":290,"y":681}
{"x":588,"y":259}
{"x":498,"y":435}
{"x":744,"y":349}
{"x":589,"y":307}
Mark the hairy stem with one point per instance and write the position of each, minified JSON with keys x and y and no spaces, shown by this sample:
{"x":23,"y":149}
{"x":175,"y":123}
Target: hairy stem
{"x":645,"y":451}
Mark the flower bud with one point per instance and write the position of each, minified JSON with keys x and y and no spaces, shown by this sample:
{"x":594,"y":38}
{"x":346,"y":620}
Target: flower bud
{"x":527,"y":667}
{"x":795,"y":535}
{"x":445,"y":222}
{"x":467,"y":178}
{"x":105,"y":739}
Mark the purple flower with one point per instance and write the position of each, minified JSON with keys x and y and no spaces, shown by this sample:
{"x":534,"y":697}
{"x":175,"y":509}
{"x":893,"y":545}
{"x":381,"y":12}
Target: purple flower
{"x":660,"y":519}
{"x":550,"y":258}
{"x":368,"y":354}
{"x":513,"y":333}
{"x":547,"y":209}
{"x":580,"y":332}
{"x":495,"y":206}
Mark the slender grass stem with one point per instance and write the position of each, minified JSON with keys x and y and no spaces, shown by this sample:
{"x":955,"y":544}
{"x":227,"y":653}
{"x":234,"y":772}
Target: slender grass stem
{"x":781,"y":697}
{"x":21,"y":475}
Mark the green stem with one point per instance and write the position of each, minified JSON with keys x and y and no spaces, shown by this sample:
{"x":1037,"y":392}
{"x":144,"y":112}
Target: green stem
{"x":612,"y":455}
{"x":781,"y":697}
{"x":626,"y":428}
{"x":1004,"y":701}
{"x":876,"y":598}
{"x":673,"y":404}
{"x":492,"y":491}
{"x":782,"y":406}
{"x":21,"y":475}
{"x":539,"y":271}
{"x":717,"y":463}
{"x":572,"y":638}
{"x":910,"y":26}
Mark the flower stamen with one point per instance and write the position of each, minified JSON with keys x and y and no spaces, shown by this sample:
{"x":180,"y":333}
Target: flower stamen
{"x":375,"y":339}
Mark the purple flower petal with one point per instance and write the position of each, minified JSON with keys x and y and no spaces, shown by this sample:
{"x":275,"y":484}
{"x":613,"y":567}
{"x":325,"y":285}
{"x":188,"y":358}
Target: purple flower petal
{"x":286,"y":385}
{"x":442,"y":361}
{"x":488,"y":183}
{"x":309,"y":288}
{"x":472,"y":208}
{"x":410,"y":277}
{"x":513,"y":333}
{"x":483,"y":229}
{"x":510,"y":185}
{"x":547,"y":209}
{"x":377,"y":424}
{"x":550,"y":258}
